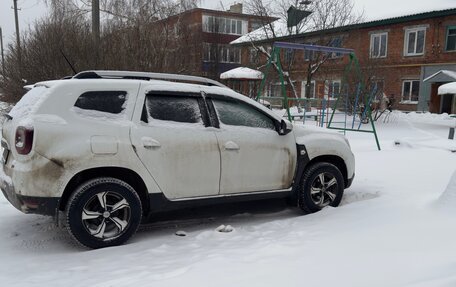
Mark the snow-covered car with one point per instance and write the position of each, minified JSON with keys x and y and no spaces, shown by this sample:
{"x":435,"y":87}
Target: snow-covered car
{"x":105,"y":150}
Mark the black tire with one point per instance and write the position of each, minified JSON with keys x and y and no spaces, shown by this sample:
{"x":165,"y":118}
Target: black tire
{"x":103,"y":212}
{"x":313,"y":195}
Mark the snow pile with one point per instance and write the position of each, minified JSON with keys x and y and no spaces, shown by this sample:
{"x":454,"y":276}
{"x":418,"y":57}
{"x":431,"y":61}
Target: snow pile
{"x":428,"y":117}
{"x":448,"y":197}
{"x":242,"y":73}
{"x":385,"y":233}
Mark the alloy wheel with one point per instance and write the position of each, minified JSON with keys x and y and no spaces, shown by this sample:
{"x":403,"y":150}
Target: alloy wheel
{"x":323,"y":190}
{"x":106,"y":215}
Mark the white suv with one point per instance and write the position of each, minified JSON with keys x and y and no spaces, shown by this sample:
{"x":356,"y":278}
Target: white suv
{"x":108,"y":149}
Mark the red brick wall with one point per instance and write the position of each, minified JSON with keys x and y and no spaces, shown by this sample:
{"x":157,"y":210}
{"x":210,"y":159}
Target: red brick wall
{"x":393,"y":69}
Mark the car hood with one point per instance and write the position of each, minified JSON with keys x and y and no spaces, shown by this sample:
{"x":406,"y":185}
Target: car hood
{"x":300,"y":130}
{"x":304,"y":134}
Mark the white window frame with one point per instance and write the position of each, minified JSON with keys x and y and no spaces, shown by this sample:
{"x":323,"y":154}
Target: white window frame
{"x":303,"y":89}
{"x":225,"y":52}
{"x":329,"y":83}
{"x":207,"y":49}
{"x":409,"y":31}
{"x":227,"y":27}
{"x":409,"y":96}
{"x":372,"y":42}
{"x":451,"y":27}
{"x":335,"y":55}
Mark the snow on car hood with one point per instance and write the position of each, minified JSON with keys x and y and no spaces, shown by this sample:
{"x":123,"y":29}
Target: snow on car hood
{"x":300,"y":130}
{"x":302,"y":133}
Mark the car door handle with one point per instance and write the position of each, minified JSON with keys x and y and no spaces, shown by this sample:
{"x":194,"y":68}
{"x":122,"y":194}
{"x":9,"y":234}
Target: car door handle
{"x":150,"y":143}
{"x":230,"y":145}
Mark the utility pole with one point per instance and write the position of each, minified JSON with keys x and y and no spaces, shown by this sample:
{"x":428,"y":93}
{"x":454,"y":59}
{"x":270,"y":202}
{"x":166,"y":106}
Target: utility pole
{"x":18,"y":38}
{"x":3,"y":56}
{"x":96,"y":29}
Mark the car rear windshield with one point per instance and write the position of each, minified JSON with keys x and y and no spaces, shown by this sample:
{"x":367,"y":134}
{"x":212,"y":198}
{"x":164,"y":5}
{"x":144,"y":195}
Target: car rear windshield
{"x":29,"y":103}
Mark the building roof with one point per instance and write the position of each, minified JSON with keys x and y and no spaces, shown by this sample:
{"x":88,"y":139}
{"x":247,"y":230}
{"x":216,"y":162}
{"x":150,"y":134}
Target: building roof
{"x":260,"y":36}
{"x":442,"y":76}
{"x":225,"y":13}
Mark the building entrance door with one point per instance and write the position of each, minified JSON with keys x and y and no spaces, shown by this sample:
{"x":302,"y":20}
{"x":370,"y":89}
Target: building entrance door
{"x":434,"y":103}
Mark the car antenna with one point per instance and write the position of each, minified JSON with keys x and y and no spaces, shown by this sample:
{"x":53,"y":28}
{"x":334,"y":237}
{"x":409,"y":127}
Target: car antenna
{"x":68,"y":61}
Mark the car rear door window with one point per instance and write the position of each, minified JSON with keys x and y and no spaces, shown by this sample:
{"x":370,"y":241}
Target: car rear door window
{"x":174,"y":108}
{"x":237,"y":113}
{"x":113,"y":102}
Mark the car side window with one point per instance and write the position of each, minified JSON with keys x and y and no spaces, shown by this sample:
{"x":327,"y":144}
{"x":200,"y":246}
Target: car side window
{"x":113,"y":102}
{"x":175,"y":108}
{"x":237,"y":113}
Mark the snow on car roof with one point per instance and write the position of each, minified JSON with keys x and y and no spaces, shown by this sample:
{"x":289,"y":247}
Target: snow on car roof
{"x":162,"y":85}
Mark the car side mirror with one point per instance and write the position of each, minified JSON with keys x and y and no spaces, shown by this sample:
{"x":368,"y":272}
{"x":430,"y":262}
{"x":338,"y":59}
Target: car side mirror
{"x":285,"y":127}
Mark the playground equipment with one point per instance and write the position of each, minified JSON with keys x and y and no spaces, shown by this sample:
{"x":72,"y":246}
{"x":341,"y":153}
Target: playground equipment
{"x":348,"y":103}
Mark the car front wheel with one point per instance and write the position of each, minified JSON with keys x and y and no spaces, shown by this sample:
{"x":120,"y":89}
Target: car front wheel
{"x":322,"y":184}
{"x":103,"y":212}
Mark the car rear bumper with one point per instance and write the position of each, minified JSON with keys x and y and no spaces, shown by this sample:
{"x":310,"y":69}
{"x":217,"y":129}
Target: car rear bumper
{"x":29,"y":204}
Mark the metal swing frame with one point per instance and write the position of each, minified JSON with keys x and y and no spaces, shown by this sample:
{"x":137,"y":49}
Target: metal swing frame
{"x":274,"y":59}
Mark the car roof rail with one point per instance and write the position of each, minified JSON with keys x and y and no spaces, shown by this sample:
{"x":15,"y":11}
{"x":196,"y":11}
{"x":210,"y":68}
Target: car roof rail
{"x":102,"y":74}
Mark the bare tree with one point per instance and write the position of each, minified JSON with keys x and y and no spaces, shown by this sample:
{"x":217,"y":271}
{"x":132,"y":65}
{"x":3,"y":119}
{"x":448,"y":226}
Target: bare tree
{"x":326,"y":14}
{"x":135,"y":35}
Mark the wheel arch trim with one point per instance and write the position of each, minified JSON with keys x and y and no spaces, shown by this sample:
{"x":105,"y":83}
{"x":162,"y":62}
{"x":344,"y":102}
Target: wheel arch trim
{"x":127,"y":175}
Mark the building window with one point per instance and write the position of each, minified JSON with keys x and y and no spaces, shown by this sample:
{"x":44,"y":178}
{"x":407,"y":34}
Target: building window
{"x":309,"y":55}
{"x":378,"y":45}
{"x":410,"y":91}
{"x":209,"y":52}
{"x":451,"y":39}
{"x":414,"y":41}
{"x":312,"y":90}
{"x":221,"y":53}
{"x":221,"y":25}
{"x":229,"y":54}
{"x":275,"y":90}
{"x":254,"y":56}
{"x":288,"y":58}
{"x":332,"y":89}
{"x":336,"y":43}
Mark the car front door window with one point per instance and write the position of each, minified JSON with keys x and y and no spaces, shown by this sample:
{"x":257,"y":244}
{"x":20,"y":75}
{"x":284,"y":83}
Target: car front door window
{"x":236,"y":113}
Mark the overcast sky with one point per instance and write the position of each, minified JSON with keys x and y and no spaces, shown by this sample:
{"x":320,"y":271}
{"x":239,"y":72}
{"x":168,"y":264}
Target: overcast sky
{"x":373,"y":9}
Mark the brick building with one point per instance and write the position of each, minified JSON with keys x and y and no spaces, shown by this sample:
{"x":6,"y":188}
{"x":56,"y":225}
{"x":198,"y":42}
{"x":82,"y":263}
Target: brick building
{"x":205,"y":36}
{"x":408,"y":57}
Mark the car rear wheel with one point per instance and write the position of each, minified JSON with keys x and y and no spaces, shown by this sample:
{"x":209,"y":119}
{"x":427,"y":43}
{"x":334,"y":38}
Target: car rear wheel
{"x":322,"y":184}
{"x":103,"y":212}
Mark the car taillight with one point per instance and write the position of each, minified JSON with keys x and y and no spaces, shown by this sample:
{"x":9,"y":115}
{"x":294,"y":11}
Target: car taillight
{"x":24,"y":140}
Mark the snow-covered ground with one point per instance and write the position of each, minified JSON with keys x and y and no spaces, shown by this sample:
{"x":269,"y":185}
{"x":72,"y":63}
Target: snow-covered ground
{"x":395,"y":227}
